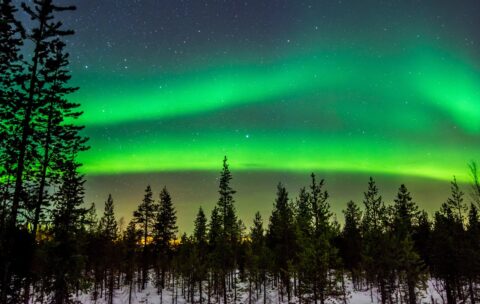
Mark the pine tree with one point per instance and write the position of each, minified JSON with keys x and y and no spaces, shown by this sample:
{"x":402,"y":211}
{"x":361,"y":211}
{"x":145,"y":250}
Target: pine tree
{"x":455,"y":202}
{"x":260,"y":256}
{"x":351,"y":241}
{"x":303,"y":216}
{"x":200,"y":248}
{"x":130,"y":240}
{"x":405,"y":212}
{"x":324,"y":254}
{"x":11,"y":72}
{"x":11,"y":32}
{"x":229,"y":228}
{"x":46,"y":31}
{"x":410,"y":266}
{"x":281,"y":237}
{"x":108,"y":235}
{"x":200,"y":230}
{"x":215,"y":249}
{"x":448,"y":244}
{"x":54,"y":131}
{"x":475,"y":191}
{"x":144,"y":217}
{"x":422,"y":236}
{"x":472,"y":251}
{"x":68,"y":220}
{"x":165,"y":226}
{"x":164,"y":231}
{"x":378,"y":255}
{"x":108,"y":224}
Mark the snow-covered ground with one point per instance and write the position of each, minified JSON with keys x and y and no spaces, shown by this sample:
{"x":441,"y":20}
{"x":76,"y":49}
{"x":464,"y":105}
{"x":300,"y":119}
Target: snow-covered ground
{"x":150,"y":295}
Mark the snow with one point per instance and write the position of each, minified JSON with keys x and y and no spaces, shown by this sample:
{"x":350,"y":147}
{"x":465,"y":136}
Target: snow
{"x":150,"y":295}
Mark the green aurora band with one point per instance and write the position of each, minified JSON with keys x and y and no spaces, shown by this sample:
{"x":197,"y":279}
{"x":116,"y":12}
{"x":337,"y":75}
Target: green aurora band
{"x":409,"y":112}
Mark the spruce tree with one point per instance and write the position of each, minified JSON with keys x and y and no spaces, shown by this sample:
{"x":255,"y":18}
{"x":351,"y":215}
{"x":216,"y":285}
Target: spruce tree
{"x":475,"y":183}
{"x":281,"y":237}
{"x":144,"y":217}
{"x":55,"y":130}
{"x":11,"y":73}
{"x":472,"y":251}
{"x":378,"y":256}
{"x":448,"y":244}
{"x":260,"y":256}
{"x":324,"y":255}
{"x":66,"y":258}
{"x":46,"y":31}
{"x":130,"y":240}
{"x":456,"y":202}
{"x":108,"y":236}
{"x":108,"y":224}
{"x":164,"y":231}
{"x":11,"y":32}
{"x":229,"y":227}
{"x":351,"y":241}
{"x":200,"y":249}
{"x":215,"y":249}
{"x":409,"y":265}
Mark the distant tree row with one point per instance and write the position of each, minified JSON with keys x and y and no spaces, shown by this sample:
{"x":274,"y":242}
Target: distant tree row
{"x":391,"y":249}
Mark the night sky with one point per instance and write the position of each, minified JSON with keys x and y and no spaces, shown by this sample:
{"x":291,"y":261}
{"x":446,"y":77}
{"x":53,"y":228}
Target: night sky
{"x":345,"y":89}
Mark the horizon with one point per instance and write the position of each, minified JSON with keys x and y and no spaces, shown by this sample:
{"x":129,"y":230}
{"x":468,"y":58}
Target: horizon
{"x":428,"y":193}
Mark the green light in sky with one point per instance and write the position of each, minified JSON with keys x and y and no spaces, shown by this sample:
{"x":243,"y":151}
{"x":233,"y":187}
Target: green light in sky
{"x":331,"y":110}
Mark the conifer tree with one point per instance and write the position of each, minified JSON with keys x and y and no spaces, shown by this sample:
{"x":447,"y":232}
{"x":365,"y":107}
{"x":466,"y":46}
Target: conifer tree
{"x":475,"y":191}
{"x":108,"y":223}
{"x":324,"y":256}
{"x":10,"y":97}
{"x":130,"y":240}
{"x":260,"y":256}
{"x":448,"y":244}
{"x":378,"y":254}
{"x":65,"y":255}
{"x":46,"y":31}
{"x":229,"y":228}
{"x":303,"y":235}
{"x":455,"y":202}
{"x":351,"y":241}
{"x":200,"y":243}
{"x":11,"y":32}
{"x":422,"y":236}
{"x":281,"y":237}
{"x":215,"y":251}
{"x":108,"y":235}
{"x":472,"y":251}
{"x":54,"y":131}
{"x":164,"y":230}
{"x":410,"y":266}
{"x":144,"y":217}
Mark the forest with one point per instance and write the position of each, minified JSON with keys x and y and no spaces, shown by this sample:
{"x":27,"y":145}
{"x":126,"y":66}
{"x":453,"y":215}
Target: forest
{"x":53,"y":247}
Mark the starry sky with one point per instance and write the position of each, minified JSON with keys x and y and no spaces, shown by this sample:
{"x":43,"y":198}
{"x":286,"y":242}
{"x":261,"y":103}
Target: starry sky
{"x":346,"y":89}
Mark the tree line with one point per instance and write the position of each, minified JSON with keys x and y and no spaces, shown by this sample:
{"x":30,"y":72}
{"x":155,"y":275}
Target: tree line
{"x":54,"y":247}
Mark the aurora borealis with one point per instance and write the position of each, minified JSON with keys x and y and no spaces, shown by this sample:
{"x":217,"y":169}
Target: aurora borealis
{"x":283,"y":88}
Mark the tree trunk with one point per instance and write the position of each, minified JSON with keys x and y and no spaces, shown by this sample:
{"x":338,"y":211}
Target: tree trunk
{"x":412,"y":297}
{"x":249,"y":290}
{"x":450,"y":295}
{"x":264,"y":290}
{"x":130,"y":292}
{"x":383,"y":292}
{"x":471,"y":291}
{"x":224,"y":289}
